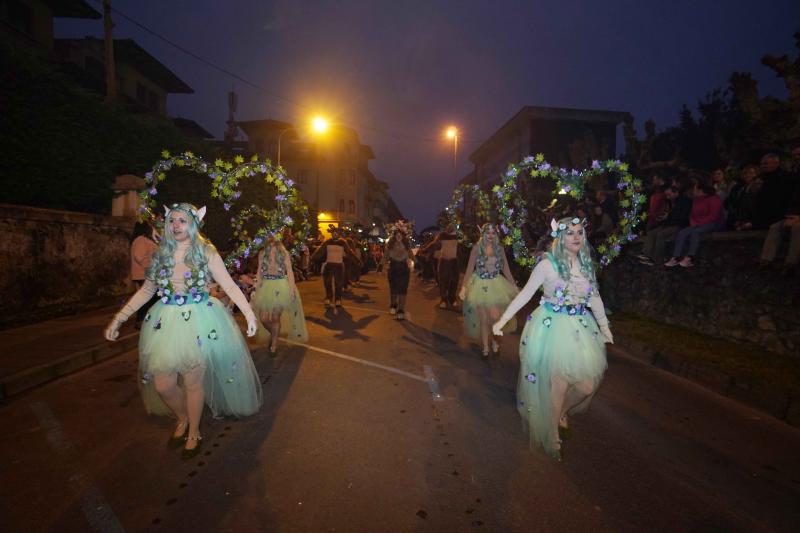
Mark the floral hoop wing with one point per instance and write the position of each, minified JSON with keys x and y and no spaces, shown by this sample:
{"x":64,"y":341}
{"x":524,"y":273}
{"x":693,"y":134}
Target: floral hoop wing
{"x":514,"y":209}
{"x":483,"y":210}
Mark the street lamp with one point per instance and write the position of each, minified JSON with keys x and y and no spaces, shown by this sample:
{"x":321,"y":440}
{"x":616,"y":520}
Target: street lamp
{"x":318,"y":125}
{"x":452,"y":133}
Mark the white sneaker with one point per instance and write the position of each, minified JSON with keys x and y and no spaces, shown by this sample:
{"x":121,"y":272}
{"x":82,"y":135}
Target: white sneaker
{"x":392,"y":310}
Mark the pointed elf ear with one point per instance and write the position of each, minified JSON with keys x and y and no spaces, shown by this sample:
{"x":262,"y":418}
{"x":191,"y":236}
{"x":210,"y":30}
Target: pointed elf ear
{"x":166,"y":211}
{"x":554,"y":225}
{"x":201,"y":213}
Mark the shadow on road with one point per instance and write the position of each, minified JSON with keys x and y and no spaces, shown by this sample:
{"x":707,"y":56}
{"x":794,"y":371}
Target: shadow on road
{"x":341,"y":322}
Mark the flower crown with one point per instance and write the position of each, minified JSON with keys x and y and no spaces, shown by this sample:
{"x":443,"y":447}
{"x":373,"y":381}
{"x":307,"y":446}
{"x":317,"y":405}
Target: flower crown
{"x":197,"y":214}
{"x":558,"y":228}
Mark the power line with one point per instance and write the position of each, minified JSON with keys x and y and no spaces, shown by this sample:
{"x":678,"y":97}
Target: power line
{"x":360,"y":125}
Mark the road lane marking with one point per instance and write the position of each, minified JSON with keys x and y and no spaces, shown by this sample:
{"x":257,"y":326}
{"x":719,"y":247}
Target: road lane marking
{"x":433,"y":385}
{"x":357,"y":360}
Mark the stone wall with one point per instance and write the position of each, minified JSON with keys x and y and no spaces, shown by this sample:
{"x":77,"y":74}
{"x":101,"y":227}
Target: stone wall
{"x":725,"y":295}
{"x":54,"y":263}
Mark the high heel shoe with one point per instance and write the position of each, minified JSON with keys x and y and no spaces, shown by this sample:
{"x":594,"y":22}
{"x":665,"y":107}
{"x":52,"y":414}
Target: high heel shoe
{"x":175,"y":442}
{"x":193,"y":452}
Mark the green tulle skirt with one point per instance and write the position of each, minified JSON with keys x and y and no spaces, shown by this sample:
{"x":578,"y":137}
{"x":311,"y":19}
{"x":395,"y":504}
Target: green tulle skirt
{"x":487,"y":295}
{"x":177,"y":339}
{"x":275,"y":296}
{"x":555,"y":344}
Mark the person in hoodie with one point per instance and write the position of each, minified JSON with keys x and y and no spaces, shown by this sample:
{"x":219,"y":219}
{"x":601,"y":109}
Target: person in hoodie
{"x":675,"y":217}
{"x":707,"y":215}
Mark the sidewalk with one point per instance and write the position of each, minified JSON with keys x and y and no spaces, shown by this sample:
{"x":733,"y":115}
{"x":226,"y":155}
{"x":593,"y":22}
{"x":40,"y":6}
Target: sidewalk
{"x":37,"y":353}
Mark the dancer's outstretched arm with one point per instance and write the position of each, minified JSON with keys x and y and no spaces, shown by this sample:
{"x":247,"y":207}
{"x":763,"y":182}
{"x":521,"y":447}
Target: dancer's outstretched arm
{"x":217,"y":269}
{"x":139,"y":298}
{"x":539,"y":274}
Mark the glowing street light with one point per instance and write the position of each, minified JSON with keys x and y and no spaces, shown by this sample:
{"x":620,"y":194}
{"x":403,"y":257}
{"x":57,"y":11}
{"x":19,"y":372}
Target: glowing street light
{"x":452,"y":133}
{"x":319,"y":125}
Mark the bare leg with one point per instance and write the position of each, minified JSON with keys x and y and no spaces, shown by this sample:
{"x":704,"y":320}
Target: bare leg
{"x":558,"y":391}
{"x":484,"y":318}
{"x":195,"y":397}
{"x":494,"y":316}
{"x":576,"y":393}
{"x":275,"y":330}
{"x":167,"y":387}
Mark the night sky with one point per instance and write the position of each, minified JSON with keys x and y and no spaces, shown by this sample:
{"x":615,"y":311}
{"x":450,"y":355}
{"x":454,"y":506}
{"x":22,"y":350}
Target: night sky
{"x":399,"y":72}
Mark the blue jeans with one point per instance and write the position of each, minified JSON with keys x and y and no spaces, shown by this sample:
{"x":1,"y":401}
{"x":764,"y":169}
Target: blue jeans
{"x":693,"y":233}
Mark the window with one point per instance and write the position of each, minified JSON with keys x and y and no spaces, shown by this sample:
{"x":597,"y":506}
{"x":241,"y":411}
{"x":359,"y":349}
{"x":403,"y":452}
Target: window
{"x":341,"y":206}
{"x":351,"y":207}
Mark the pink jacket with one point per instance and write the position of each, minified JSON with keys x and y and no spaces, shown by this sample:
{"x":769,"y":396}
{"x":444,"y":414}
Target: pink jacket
{"x":705,"y":210}
{"x":142,"y":250}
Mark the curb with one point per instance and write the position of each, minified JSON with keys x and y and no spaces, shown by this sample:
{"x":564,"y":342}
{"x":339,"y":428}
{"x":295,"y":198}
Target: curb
{"x":778,"y":403}
{"x":38,"y":375}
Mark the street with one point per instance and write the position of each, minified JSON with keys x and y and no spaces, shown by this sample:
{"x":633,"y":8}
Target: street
{"x":384,"y":425}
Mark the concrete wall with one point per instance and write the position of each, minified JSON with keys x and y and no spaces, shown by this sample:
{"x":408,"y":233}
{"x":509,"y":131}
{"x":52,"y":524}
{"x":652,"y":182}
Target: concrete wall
{"x":725,"y":295}
{"x":54,"y":263}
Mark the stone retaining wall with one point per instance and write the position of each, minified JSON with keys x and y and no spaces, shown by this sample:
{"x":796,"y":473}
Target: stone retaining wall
{"x":54,"y":263}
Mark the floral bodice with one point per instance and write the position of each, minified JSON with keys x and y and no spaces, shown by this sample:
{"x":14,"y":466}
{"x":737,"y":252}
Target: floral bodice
{"x":274,"y":269}
{"x":487,"y":267}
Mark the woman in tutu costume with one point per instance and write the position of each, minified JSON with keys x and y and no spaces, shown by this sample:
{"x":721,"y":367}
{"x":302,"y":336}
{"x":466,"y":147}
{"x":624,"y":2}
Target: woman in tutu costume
{"x":487,"y":289}
{"x":191,"y":351}
{"x":562,"y":349}
{"x":398,"y":257}
{"x":276,"y":299}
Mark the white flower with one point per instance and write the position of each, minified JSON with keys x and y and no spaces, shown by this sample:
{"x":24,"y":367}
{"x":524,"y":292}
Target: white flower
{"x":200,"y":283}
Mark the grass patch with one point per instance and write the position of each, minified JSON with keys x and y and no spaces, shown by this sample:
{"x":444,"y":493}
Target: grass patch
{"x":744,"y":361}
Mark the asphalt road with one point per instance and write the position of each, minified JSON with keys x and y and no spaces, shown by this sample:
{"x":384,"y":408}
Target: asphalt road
{"x":379,"y":425}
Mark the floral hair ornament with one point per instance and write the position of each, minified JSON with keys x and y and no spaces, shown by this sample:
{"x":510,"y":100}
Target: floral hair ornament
{"x":557,"y":228}
{"x":197,"y":214}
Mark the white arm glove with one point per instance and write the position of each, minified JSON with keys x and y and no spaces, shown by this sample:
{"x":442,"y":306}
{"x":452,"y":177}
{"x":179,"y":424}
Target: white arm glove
{"x":139,"y":298}
{"x":221,"y":276}
{"x":599,"y":312}
{"x":534,"y":282}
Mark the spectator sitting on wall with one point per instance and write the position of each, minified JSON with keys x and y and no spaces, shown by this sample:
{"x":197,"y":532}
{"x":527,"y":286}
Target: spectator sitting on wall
{"x":674,"y":219}
{"x":608,"y":204}
{"x":657,"y":208}
{"x":720,"y":183}
{"x":790,"y":224}
{"x":601,"y":225}
{"x":707,"y":216}
{"x":776,"y":194}
{"x":741,"y":201}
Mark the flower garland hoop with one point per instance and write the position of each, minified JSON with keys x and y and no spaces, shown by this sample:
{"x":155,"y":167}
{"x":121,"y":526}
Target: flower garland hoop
{"x":275,"y":221}
{"x":514,"y":213}
{"x":482,"y":213}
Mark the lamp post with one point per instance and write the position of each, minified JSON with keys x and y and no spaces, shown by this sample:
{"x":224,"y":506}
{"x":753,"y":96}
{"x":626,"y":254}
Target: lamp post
{"x":318,"y":125}
{"x":452,"y":133}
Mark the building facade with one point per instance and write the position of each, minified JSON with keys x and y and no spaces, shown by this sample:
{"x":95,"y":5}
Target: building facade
{"x":569,"y":138}
{"x":30,"y":22}
{"x":332,"y":172}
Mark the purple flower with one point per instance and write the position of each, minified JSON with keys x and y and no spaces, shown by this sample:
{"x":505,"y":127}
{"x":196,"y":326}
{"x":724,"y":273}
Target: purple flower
{"x":162,"y":272}
{"x":621,"y":185}
{"x":236,"y":195}
{"x":595,"y":164}
{"x":237,"y":263}
{"x":289,"y":182}
{"x":567,"y":188}
{"x":148,"y":176}
{"x":257,"y":241}
{"x":187,"y":274}
{"x":262,"y":168}
{"x":531,"y":378}
{"x":226,"y":206}
{"x":288,"y":220}
{"x":616,"y":247}
{"x":280,"y":198}
{"x":632,"y":237}
{"x":504,"y":228}
{"x":545,"y":166}
{"x":152,"y":191}
{"x":511,"y":173}
{"x":193,"y":291}
{"x":164,"y":299}
{"x":529,"y":159}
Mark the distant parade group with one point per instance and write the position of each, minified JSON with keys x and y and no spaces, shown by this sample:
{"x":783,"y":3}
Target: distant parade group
{"x":192,"y":353}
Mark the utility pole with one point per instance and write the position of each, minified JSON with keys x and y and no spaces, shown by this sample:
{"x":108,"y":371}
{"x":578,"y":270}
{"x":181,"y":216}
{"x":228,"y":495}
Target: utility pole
{"x":111,"y":71}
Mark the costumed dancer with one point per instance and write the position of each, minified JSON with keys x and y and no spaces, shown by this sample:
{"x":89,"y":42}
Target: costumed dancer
{"x":276,"y":300}
{"x":562,"y":349}
{"x":398,"y":257}
{"x":487,"y":289}
{"x":191,"y":351}
{"x":445,"y":248}
{"x":332,"y":253}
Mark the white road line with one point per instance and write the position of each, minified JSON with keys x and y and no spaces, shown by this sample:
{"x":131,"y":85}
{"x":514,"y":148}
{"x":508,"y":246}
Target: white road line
{"x":359,"y":361}
{"x":95,"y":508}
{"x":433,"y":385}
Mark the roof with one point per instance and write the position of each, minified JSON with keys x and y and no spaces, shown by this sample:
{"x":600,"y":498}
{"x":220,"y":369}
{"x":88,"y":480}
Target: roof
{"x":76,"y":9}
{"x":562,"y":114}
{"x":192,"y":128}
{"x":366,"y":151}
{"x":251,"y":127}
{"x":127,"y":51}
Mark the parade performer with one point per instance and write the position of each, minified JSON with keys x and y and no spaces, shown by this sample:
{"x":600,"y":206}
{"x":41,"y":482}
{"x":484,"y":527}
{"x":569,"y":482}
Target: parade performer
{"x":562,"y":349}
{"x":276,"y":300}
{"x":332,"y":253}
{"x":446,"y":244}
{"x":191,"y":351}
{"x":487,"y":289}
{"x":398,"y":257}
